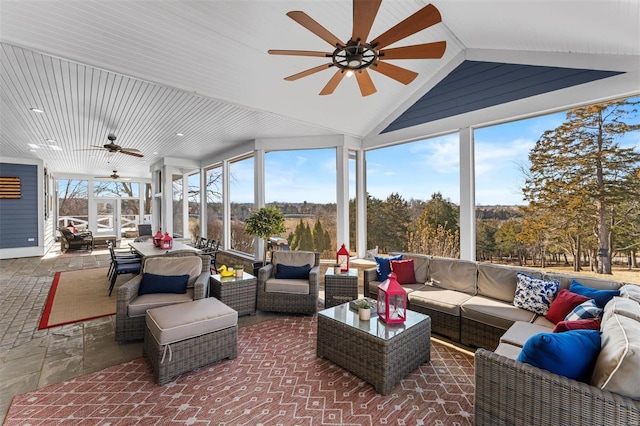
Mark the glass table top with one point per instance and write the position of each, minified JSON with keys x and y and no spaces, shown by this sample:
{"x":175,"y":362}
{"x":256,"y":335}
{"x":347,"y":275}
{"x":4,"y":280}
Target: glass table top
{"x":232,"y":279}
{"x":374,"y":326}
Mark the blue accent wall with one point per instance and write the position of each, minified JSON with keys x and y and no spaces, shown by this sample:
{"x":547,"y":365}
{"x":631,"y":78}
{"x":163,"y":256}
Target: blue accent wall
{"x":19,"y":218}
{"x":474,"y":85}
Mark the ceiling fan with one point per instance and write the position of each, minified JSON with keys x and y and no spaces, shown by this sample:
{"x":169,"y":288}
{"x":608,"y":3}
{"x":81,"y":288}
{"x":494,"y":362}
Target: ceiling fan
{"x":113,"y":176}
{"x":113,"y":148}
{"x":357,"y":55}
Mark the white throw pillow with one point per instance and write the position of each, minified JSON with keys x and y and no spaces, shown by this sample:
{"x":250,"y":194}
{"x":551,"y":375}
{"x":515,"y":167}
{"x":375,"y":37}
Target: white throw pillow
{"x":534,"y":294}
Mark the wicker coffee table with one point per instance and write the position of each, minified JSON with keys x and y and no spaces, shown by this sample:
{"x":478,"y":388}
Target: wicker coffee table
{"x":237,"y":293}
{"x":378,"y":353}
{"x":340,"y":288}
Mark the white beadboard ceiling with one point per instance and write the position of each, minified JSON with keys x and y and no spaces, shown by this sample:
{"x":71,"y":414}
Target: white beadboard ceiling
{"x":148,"y":69}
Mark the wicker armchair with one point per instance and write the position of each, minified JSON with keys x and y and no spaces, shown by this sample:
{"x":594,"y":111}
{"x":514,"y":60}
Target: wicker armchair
{"x":131,"y":308}
{"x":71,"y":241}
{"x":509,"y":392}
{"x":271,"y":296}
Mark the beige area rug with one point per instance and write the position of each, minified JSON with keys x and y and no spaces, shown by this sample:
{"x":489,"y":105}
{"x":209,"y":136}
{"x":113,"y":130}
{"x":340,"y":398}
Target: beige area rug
{"x":79,"y":296}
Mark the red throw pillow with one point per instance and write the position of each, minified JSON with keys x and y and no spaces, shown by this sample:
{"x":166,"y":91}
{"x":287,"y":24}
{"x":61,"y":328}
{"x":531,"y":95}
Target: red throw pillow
{"x":583,"y":324}
{"x":564,"y":303}
{"x":404,"y":271}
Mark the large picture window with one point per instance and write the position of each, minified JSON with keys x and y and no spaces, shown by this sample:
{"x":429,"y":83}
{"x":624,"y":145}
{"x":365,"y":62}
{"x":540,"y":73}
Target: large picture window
{"x":241,"y":203}
{"x":213,"y":190}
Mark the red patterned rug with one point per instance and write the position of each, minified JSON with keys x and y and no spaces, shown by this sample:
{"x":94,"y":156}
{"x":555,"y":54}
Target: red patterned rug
{"x":275,"y":380}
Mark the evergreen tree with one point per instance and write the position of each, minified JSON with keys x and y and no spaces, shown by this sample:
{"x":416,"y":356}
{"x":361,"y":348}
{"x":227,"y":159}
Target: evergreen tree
{"x":579,"y":170}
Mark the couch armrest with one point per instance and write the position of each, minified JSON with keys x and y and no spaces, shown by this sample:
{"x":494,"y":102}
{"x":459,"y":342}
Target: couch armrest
{"x":264,"y":274}
{"x":509,"y":392}
{"x":201,"y":286}
{"x":314,"y":280}
{"x":126,"y":293}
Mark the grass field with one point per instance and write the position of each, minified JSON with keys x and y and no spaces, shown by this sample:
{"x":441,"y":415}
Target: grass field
{"x":619,"y":273}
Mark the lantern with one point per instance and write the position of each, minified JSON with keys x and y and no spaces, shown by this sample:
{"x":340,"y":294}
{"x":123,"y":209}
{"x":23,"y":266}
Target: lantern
{"x":167,"y":242}
{"x":157,"y":238}
{"x":392,"y":301}
{"x":342,"y":258}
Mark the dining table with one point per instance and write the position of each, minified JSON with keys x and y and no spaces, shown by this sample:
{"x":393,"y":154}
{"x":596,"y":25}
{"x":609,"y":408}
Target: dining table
{"x":146,"y":248}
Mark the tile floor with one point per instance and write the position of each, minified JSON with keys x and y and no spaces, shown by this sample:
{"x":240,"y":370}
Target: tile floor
{"x":32,"y":358}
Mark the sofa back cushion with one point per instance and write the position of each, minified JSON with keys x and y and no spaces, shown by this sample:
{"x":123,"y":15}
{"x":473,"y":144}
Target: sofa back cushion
{"x":293,"y":258}
{"x":597,"y":283}
{"x":499,"y":281}
{"x":167,"y":265}
{"x":420,"y":266}
{"x":453,"y":274}
{"x":617,"y":366}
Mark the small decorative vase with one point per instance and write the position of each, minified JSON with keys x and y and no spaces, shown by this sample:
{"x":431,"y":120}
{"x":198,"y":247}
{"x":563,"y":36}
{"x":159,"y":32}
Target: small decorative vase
{"x":364,"y":314}
{"x":239,"y":273}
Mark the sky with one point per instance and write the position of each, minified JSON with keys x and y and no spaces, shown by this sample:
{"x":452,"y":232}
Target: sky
{"x":414,"y":170}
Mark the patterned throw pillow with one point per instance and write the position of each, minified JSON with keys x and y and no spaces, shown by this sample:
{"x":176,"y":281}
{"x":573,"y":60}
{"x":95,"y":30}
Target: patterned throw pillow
{"x":585,"y":310}
{"x":534,"y":294}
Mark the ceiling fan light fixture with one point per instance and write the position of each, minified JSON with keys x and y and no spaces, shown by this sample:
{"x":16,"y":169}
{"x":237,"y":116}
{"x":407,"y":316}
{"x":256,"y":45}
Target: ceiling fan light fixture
{"x":350,"y":73}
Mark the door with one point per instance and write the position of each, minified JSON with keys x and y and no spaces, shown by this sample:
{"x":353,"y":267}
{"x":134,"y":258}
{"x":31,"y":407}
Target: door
{"x":108,"y":214}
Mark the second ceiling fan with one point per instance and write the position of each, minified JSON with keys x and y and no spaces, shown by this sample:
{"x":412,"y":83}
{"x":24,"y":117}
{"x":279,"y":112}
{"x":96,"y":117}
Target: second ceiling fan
{"x":357,"y":55}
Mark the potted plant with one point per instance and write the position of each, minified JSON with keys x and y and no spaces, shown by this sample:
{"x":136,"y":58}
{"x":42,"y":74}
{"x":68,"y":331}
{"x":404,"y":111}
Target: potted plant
{"x":239,"y":270}
{"x":336,"y":269}
{"x":364,"y":311}
{"x":265,"y":223}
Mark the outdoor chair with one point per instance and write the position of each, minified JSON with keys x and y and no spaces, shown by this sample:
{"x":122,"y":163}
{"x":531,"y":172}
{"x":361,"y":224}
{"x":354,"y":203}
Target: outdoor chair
{"x":71,"y":241}
{"x":131,"y":306}
{"x":121,"y":264}
{"x":211,"y":248}
{"x":287,"y":284}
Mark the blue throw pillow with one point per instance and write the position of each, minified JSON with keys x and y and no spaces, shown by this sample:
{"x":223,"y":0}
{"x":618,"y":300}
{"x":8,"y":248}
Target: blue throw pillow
{"x":600,"y":296}
{"x":152,"y":283}
{"x":293,"y":272}
{"x":571,"y":354}
{"x":383,"y":266}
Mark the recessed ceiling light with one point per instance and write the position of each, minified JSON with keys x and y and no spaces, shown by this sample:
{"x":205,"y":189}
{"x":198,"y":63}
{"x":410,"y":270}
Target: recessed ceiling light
{"x":52,"y":141}
{"x":155,"y":153}
{"x":179,"y":134}
{"x":55,"y":148}
{"x":38,"y":110}
{"x":32,"y":150}
{"x":33,"y":145}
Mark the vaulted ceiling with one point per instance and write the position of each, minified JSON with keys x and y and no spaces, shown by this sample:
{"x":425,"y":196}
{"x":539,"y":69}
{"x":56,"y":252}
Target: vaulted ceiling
{"x":148,"y":70}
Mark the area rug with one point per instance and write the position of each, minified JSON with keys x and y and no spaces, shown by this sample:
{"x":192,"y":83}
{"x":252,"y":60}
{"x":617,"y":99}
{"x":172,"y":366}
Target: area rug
{"x":275,"y":380}
{"x":78,"y":296}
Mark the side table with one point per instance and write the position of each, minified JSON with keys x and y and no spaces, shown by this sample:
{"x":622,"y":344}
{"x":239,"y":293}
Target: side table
{"x":237,"y":293}
{"x":340,"y":288}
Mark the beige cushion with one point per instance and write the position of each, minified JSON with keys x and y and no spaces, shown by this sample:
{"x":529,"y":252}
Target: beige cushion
{"x":494,"y":312}
{"x":453,"y":274}
{"x":420,"y":266}
{"x":141,"y":304}
{"x":508,"y":350}
{"x":165,"y":265}
{"x":175,"y":323}
{"x":544,"y":322}
{"x":621,"y":306}
{"x":597,"y":283}
{"x":521,"y":331}
{"x":439,"y":299}
{"x":630,"y":291}
{"x":499,"y":281}
{"x":275,"y":285}
{"x":618,"y":364}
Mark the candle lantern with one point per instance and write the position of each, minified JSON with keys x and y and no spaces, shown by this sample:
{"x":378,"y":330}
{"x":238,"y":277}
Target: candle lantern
{"x":392,"y":301}
{"x":342,"y":258}
{"x":167,"y":242}
{"x":157,"y":238}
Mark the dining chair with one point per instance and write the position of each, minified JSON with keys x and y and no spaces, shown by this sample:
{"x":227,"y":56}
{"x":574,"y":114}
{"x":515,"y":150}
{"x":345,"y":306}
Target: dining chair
{"x":121,"y":264}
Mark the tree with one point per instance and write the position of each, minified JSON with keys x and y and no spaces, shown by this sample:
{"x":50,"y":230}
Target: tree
{"x":579,"y":164}
{"x":436,"y":230}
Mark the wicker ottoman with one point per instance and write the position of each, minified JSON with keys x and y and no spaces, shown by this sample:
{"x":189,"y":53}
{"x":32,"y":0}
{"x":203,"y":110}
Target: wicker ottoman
{"x":181,"y":337}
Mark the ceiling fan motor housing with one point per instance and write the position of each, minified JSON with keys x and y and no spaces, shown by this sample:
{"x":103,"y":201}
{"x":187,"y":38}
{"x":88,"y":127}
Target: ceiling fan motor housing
{"x":354,"y":56}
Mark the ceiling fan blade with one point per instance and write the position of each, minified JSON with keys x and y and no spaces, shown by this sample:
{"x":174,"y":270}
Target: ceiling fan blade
{"x":417,"y":51}
{"x":308,"y":72}
{"x":309,"y":23}
{"x":333,"y":83}
{"x":365,"y":83}
{"x":135,"y":154}
{"x":299,"y":53}
{"x":424,"y":18}
{"x":400,"y":74}
{"x":130,"y":149}
{"x":364,"y":13}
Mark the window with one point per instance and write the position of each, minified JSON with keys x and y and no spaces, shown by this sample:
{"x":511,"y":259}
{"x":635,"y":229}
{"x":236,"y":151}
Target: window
{"x":178,"y":215}
{"x":213,"y":190}
{"x":302,"y":184}
{"x":241,"y":203}
{"x":194,"y":205}
{"x":73,"y":203}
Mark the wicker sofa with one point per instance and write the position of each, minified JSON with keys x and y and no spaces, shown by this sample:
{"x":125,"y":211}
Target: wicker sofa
{"x":472,"y":303}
